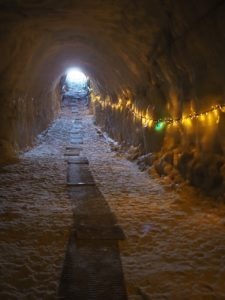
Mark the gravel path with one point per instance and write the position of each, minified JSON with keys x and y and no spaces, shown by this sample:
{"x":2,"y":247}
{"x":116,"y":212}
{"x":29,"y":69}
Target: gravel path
{"x":175,"y":246}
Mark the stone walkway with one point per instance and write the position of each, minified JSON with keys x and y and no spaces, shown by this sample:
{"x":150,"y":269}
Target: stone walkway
{"x":92,"y":267}
{"x":175,"y":239}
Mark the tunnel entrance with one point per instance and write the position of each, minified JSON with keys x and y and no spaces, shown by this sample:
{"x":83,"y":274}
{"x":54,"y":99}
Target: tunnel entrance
{"x":75,"y":86}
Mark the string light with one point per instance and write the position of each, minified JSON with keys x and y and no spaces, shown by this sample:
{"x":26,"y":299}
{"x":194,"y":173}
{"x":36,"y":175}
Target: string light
{"x":160,"y":124}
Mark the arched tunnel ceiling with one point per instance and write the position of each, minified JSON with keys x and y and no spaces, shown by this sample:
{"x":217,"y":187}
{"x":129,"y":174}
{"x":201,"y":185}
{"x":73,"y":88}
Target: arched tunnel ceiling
{"x":102,"y":36}
{"x":111,"y":39}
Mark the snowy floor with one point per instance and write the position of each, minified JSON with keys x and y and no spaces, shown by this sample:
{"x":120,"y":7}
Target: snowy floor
{"x":36,"y":218}
{"x":175,"y":246}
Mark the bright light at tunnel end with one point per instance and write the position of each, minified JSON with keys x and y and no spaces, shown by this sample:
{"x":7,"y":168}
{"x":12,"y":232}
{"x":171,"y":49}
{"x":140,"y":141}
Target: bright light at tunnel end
{"x":75,"y":75}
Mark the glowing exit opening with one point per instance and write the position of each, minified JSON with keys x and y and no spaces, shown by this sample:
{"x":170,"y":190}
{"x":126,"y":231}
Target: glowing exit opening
{"x":75,"y":85}
{"x":76,"y":76}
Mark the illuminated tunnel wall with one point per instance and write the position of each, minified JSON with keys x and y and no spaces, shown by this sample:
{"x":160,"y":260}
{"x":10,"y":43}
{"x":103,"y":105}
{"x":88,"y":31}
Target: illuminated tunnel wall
{"x":157,"y":67}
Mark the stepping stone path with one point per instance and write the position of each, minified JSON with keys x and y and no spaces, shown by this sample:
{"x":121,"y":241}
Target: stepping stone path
{"x":92,"y":267}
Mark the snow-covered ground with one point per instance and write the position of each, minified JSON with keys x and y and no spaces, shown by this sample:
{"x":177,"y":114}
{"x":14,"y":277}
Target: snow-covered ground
{"x":36,"y":218}
{"x":175,"y":239}
{"x":175,"y":246}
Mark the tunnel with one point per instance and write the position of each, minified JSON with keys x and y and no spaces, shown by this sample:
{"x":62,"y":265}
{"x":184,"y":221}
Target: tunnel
{"x":114,"y":190}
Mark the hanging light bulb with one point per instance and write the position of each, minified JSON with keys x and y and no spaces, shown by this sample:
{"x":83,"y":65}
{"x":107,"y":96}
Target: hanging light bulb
{"x":160,"y":125}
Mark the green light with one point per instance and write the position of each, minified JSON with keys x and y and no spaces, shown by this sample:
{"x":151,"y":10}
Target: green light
{"x":160,"y":125}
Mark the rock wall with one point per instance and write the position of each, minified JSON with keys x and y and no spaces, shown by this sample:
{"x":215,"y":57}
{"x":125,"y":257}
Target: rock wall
{"x":28,"y":101}
{"x":184,"y":75}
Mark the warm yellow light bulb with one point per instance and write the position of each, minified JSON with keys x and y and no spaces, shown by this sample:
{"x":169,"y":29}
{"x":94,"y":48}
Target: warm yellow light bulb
{"x":202,"y":117}
{"x":150,"y":122}
{"x":187,"y":122}
{"x":222,"y":108}
{"x":210,"y":118}
{"x":128,"y":103}
{"x":215,"y":111}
